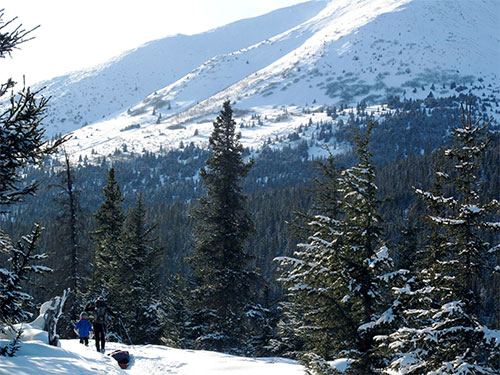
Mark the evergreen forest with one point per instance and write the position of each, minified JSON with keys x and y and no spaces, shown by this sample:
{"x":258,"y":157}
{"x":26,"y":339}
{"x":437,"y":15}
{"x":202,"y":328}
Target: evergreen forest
{"x":129,"y":229}
{"x":386,"y":254}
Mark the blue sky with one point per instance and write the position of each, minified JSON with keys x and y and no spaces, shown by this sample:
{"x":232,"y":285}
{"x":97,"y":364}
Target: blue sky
{"x":78,"y":34}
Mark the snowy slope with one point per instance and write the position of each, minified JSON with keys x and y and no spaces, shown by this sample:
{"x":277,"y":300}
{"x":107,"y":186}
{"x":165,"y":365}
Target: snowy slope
{"x":73,"y":358}
{"x":87,"y":96}
{"x":341,"y":51}
{"x":36,"y":357}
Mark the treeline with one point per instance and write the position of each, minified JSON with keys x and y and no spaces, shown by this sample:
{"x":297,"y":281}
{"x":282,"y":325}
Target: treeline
{"x":406,"y":127}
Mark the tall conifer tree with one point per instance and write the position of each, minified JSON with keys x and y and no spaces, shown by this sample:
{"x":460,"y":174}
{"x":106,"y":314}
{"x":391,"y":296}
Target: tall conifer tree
{"x":442,"y":333}
{"x":21,"y":143}
{"x":222,"y":225}
{"x":108,"y":253}
{"x":305,"y":305}
{"x":70,"y":260}
{"x":339,"y":276}
{"x":140,"y":279}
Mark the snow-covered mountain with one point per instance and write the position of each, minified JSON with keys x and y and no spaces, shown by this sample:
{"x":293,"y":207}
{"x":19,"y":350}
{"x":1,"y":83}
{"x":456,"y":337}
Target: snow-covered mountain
{"x":88,"y":96}
{"x":275,"y":69}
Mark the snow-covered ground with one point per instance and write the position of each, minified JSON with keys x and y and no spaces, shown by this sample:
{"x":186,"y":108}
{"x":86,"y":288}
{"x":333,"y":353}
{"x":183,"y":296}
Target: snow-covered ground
{"x":73,"y":358}
{"x":36,"y":357}
{"x":257,"y":127}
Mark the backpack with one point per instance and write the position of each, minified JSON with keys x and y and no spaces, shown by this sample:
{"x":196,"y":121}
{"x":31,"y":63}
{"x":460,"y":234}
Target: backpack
{"x":100,"y":314}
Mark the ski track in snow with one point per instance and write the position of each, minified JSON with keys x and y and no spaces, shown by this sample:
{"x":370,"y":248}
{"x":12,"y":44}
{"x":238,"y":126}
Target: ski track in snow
{"x":159,"y":360}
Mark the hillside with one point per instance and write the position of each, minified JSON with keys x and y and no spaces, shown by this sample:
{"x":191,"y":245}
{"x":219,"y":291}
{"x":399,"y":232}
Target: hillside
{"x":302,"y":267}
{"x":282,"y":68}
{"x":88,"y":96}
{"x":35,"y":356}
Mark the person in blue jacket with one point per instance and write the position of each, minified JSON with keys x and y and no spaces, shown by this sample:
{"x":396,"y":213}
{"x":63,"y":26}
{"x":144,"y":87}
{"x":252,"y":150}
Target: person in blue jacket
{"x":83,"y":329}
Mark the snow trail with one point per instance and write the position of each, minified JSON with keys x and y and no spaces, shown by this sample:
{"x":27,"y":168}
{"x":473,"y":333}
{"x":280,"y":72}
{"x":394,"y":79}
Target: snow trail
{"x":35,"y":357}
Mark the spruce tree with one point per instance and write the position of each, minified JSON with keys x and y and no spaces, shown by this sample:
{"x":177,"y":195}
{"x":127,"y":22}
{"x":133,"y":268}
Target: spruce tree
{"x":341,"y":275}
{"x":71,"y":268}
{"x":301,"y":274}
{"x":21,"y":130}
{"x":178,"y":317}
{"x":21,"y":144}
{"x":290,"y":341}
{"x":108,"y":255}
{"x":139,"y":278}
{"x":22,"y":258}
{"x":224,"y":280}
{"x":443,"y":333}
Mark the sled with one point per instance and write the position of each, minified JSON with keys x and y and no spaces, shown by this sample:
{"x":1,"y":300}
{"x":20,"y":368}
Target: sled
{"x":122,"y":357}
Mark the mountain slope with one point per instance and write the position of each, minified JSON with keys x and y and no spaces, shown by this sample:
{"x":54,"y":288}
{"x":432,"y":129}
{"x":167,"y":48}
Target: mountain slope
{"x":349,"y":51}
{"x":87,"y":96}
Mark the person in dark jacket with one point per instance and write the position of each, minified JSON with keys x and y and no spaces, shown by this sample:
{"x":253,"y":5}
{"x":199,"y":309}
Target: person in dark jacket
{"x":101,"y":312}
{"x":83,"y":329}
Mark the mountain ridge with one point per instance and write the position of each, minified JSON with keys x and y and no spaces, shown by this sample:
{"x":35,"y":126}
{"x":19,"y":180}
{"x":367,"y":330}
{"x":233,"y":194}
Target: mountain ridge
{"x":125,"y":80}
{"x":332,"y":53}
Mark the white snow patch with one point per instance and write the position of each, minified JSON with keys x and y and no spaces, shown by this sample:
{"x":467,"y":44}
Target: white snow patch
{"x":38,"y":358}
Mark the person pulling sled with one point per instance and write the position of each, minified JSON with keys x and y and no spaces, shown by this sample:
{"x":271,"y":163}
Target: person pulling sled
{"x":101,"y":312}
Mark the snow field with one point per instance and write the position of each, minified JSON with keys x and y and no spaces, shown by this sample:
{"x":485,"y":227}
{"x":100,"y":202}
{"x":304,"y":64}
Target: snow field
{"x":73,"y":358}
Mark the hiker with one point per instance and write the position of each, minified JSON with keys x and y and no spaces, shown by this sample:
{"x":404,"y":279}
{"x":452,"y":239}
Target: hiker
{"x":101,"y":311}
{"x":83,"y":329}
